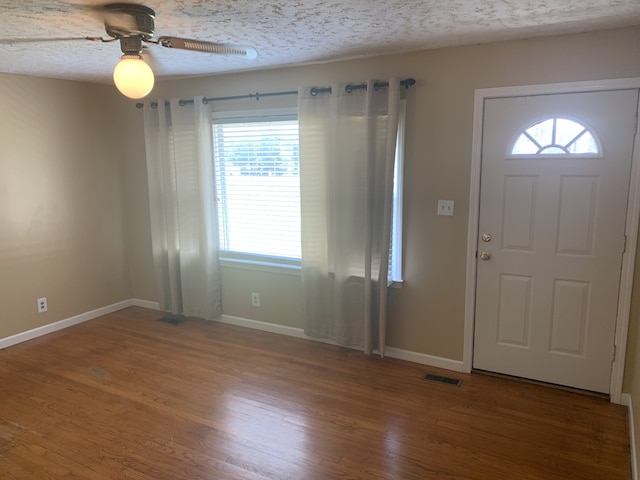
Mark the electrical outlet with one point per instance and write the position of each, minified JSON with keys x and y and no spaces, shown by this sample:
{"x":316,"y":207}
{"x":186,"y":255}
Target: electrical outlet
{"x":42,"y":305}
{"x":255,"y":299}
{"x":445,"y":207}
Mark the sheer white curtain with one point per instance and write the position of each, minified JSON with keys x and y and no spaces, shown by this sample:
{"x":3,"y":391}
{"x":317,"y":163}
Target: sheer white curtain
{"x":183,"y":209}
{"x":347,"y":154}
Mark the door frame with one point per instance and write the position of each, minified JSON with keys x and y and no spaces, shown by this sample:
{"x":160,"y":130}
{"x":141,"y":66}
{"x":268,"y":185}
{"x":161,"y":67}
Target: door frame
{"x":631,"y":228}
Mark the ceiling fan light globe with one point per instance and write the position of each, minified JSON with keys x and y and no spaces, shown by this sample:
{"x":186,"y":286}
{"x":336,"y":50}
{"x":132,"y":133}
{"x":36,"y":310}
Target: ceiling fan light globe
{"x":133,"y":77}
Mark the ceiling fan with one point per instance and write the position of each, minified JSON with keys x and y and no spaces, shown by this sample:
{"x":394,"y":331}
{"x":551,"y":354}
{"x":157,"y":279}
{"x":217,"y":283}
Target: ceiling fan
{"x":133,"y":25}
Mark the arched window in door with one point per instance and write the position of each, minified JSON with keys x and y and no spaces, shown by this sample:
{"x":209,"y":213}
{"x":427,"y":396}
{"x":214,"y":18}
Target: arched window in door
{"x":556,"y":136}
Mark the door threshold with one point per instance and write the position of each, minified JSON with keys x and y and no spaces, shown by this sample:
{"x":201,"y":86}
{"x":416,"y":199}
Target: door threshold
{"x":588,"y":393}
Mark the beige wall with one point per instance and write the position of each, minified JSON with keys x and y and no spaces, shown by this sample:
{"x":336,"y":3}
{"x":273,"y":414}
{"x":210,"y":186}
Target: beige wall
{"x":61,"y":202}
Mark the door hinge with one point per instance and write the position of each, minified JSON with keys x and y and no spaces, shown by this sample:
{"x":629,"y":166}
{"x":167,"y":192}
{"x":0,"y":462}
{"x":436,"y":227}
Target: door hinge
{"x":624,"y":244}
{"x":615,"y":350}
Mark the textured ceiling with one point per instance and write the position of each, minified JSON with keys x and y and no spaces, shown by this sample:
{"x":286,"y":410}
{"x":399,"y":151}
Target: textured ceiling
{"x":284,"y":32}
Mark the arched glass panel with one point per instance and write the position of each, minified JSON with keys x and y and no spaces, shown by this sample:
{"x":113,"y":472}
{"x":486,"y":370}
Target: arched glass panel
{"x":555,"y":136}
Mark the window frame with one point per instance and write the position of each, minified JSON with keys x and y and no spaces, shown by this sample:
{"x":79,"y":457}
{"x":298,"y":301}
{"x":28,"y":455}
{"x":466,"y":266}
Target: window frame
{"x":231,"y":258}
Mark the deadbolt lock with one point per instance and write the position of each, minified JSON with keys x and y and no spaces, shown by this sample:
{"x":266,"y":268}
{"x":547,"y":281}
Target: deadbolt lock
{"x":486,"y":237}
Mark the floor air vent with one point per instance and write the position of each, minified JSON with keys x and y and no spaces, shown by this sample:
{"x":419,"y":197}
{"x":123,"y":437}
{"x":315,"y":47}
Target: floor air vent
{"x":440,"y":379}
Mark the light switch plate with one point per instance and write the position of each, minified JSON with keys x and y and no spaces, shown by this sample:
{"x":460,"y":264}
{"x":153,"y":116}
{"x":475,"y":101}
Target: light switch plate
{"x":445,"y":207}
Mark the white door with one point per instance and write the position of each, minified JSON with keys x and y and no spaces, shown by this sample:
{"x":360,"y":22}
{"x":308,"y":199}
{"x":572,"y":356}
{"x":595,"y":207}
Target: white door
{"x":554,"y":185}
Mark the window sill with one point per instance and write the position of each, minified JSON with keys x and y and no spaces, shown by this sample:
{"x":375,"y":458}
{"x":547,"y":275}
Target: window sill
{"x":280,"y":268}
{"x":262,"y":266}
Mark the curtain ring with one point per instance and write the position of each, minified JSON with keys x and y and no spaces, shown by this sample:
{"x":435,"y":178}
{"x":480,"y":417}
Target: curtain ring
{"x":205,"y":100}
{"x":313,"y":92}
{"x":348,"y":88}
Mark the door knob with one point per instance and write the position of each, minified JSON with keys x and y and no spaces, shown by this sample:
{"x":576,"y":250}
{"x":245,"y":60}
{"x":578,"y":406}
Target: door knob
{"x":485,"y":256}
{"x":486,"y":237}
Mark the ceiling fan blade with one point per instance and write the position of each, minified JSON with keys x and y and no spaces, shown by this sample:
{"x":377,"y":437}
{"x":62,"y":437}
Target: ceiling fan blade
{"x":209,"y":47}
{"x":18,"y":41}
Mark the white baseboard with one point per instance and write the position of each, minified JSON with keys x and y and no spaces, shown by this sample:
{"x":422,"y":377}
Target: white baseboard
{"x":264,"y":326}
{"x":625,"y":399}
{"x":136,"y":302}
{"x":398,"y":353}
{"x":68,"y":322}
{"x":424,"y":359}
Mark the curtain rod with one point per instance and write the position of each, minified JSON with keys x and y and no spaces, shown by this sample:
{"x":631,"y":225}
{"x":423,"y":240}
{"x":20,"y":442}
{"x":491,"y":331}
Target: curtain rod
{"x":406,"y":83}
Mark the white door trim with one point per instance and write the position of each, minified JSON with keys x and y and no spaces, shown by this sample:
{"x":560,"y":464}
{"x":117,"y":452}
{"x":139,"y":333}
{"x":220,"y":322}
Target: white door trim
{"x":633,"y":212}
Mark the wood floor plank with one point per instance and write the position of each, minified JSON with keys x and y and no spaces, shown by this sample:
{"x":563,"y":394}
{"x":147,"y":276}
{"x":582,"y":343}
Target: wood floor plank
{"x":127,"y":396}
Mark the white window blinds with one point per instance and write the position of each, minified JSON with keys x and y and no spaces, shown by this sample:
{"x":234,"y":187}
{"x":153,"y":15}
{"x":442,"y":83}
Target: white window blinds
{"x":258,"y":185}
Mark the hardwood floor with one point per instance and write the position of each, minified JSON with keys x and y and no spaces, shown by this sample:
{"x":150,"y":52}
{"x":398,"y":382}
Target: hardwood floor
{"x":127,"y":397}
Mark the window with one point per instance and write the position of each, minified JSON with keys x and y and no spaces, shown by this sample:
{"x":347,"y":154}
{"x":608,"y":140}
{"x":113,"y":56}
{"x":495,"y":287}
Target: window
{"x":258,"y":186}
{"x":556,"y":136}
{"x":395,"y":253}
{"x":256,"y":157}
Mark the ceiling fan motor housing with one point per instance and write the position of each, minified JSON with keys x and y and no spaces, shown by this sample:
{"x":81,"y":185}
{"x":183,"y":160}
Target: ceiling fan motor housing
{"x":123,"y":20}
{"x":131,"y":45}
